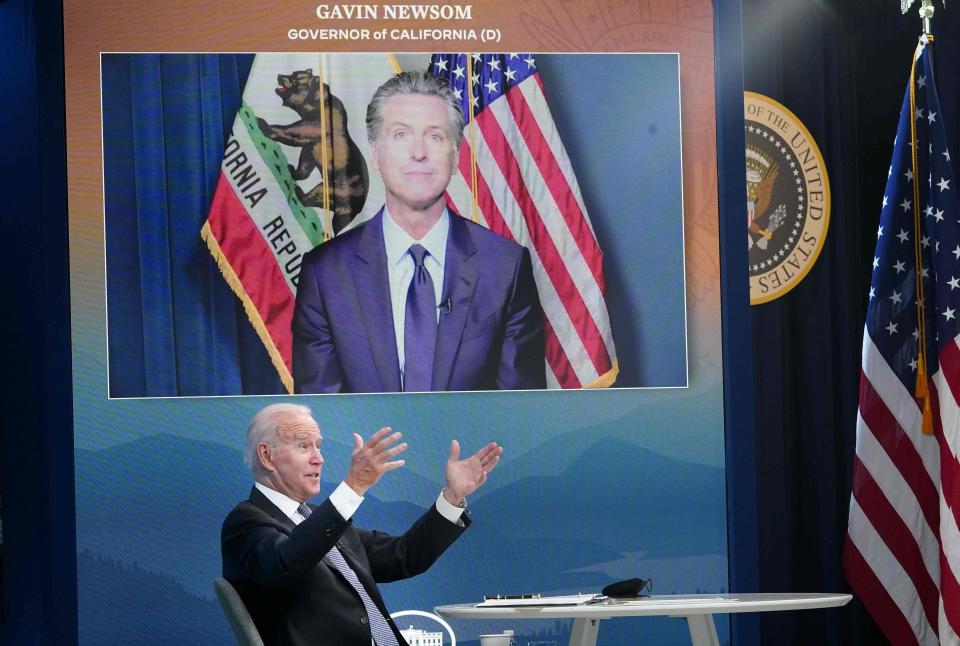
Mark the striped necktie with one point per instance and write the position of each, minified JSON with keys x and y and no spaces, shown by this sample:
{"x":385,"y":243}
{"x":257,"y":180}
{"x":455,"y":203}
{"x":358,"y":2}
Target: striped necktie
{"x":379,"y":628}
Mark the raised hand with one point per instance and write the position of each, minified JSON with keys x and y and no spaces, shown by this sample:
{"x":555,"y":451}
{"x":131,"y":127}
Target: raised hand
{"x":466,"y":476}
{"x":372,"y":459}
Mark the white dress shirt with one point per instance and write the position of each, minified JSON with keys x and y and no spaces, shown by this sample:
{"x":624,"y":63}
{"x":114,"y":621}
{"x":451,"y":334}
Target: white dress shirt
{"x":346,"y":501}
{"x":400,"y":267}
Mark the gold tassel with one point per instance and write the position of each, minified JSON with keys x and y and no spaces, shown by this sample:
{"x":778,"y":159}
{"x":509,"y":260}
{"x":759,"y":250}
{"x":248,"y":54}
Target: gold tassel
{"x":927,"y":416}
{"x":922,"y":393}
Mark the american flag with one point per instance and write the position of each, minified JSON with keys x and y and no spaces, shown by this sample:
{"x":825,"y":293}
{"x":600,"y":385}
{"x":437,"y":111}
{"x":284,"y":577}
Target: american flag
{"x":526,"y":190}
{"x":902,"y":553}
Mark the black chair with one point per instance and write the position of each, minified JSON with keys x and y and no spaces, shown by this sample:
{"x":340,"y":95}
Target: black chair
{"x":240,"y":621}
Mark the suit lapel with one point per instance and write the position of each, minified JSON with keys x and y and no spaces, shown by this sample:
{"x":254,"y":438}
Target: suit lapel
{"x":373,"y":293}
{"x":261,"y":501}
{"x":459,"y":285}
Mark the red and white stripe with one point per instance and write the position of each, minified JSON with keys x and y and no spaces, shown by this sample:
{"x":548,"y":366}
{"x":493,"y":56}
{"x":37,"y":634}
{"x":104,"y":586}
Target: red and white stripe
{"x":527,"y":191}
{"x":902,"y":553}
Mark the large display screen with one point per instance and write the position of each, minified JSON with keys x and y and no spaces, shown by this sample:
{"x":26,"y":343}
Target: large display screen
{"x":172,"y":325}
{"x":218,"y":159}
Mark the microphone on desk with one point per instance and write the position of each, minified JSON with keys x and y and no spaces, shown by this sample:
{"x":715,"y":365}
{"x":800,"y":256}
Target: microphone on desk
{"x":446,"y":307}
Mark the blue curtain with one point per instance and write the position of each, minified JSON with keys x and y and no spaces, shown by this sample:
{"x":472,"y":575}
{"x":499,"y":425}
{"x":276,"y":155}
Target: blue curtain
{"x":175,"y":328}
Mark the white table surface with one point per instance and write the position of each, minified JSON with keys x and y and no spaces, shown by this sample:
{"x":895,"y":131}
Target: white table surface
{"x":698,"y":610}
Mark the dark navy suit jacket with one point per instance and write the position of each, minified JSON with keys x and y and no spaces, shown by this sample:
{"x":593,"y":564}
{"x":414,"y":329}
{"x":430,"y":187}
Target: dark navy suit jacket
{"x":295,"y":596}
{"x":490,"y":334}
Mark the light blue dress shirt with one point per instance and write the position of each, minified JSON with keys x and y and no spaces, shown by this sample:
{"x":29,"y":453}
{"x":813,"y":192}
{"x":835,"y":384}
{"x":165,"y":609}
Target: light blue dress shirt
{"x":400,"y":267}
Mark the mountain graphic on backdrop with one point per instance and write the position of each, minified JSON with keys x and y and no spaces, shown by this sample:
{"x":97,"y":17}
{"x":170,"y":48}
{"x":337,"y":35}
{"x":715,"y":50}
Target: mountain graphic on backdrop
{"x":655,"y":499}
{"x":558,"y":452}
{"x":148,"y":601}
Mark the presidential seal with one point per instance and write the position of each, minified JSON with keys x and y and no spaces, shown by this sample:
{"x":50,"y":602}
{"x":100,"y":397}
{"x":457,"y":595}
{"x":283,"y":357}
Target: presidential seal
{"x":788,"y":198}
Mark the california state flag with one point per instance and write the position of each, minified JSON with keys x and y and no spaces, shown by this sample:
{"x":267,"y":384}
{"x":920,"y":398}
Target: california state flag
{"x":295,"y":172}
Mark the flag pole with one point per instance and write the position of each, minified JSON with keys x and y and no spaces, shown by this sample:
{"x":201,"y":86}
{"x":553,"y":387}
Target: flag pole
{"x":926,"y":12}
{"x":474,"y":209}
{"x":325,"y":140}
{"x":922,"y":391}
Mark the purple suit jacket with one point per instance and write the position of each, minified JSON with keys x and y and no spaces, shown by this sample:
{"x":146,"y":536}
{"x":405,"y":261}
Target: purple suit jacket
{"x":491,"y":336}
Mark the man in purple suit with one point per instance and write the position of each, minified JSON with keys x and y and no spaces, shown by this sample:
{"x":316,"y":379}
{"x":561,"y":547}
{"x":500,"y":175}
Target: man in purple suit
{"x":417,"y":298}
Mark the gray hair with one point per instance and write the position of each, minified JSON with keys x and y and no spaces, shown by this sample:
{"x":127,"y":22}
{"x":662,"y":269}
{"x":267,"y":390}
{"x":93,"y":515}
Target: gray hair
{"x":414,"y":82}
{"x":263,"y":428}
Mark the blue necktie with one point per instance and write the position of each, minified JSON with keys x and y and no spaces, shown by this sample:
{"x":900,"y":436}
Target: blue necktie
{"x":379,"y":628}
{"x":419,"y":326}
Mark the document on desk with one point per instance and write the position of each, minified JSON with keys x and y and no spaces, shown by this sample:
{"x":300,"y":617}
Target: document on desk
{"x":526,"y":600}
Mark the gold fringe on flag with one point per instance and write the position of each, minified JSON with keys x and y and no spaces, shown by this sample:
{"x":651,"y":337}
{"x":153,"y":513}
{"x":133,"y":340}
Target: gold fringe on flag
{"x":606,"y":379}
{"x":255,"y":320}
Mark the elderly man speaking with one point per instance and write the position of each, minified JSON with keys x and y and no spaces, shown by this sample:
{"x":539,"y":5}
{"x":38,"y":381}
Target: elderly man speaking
{"x":305,"y":573}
